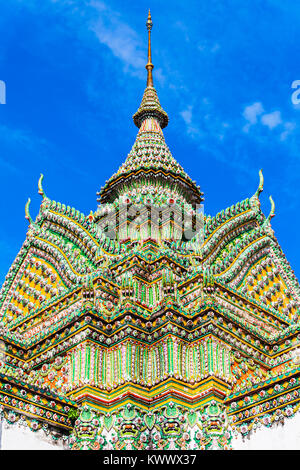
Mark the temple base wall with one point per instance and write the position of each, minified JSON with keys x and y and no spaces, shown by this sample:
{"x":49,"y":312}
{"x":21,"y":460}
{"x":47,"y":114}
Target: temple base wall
{"x":15,"y":437}
{"x":278,"y":437}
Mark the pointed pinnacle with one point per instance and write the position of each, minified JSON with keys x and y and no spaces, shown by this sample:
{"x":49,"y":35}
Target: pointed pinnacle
{"x":149,"y":65}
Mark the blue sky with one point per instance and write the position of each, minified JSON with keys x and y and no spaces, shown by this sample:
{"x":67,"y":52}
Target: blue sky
{"x":74,"y":74}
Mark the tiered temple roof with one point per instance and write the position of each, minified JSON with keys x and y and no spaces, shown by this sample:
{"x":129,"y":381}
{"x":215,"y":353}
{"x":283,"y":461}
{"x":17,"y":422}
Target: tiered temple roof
{"x":149,"y":341}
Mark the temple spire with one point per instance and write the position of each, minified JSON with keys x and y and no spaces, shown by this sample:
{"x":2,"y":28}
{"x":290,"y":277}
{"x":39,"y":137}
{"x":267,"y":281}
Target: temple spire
{"x":149,"y":65}
{"x":150,"y":163}
{"x":150,"y":106}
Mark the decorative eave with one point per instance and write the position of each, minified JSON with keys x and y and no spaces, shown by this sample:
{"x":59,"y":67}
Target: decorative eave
{"x":110,"y":190}
{"x":36,"y":403}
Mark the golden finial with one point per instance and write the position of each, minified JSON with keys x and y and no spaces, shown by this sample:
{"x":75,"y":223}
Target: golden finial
{"x":149,"y":65}
{"x":150,"y":105}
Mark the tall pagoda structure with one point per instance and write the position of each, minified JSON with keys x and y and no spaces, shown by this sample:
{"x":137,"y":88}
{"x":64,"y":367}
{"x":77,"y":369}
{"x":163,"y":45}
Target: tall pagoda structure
{"x":147,"y":324}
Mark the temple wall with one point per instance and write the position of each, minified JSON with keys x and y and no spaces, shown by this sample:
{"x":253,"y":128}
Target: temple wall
{"x":14,"y":437}
{"x":279,"y":437}
{"x":131,"y":360}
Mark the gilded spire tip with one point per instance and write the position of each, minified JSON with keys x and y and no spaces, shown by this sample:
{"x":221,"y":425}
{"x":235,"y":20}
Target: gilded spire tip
{"x":149,"y":65}
{"x":150,"y":105}
{"x":149,"y":23}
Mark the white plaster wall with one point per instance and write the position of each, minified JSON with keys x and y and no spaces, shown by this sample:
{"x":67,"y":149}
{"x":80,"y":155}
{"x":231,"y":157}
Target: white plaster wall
{"x":22,"y":438}
{"x":279,"y":437}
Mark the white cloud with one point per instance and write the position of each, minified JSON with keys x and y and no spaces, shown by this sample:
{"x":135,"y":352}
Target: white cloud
{"x":106,"y":24}
{"x":205,"y":46}
{"x":288,"y":129}
{"x":191,"y":128}
{"x":255,"y":114}
{"x":98,"y":17}
{"x":251,"y":112}
{"x":271,"y":120}
{"x":121,"y":39}
{"x":184,"y":29}
{"x":187,"y":115}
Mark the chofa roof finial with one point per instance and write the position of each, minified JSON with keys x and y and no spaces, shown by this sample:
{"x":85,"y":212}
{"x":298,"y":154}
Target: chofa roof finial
{"x":40,"y":187}
{"x":272,"y":211}
{"x":261,"y":184}
{"x":27,"y":214}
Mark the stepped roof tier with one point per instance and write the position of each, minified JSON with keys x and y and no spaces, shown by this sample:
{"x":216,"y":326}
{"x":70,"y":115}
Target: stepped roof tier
{"x":150,"y":108}
{"x":151,"y":160}
{"x":149,"y":343}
